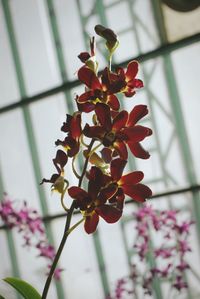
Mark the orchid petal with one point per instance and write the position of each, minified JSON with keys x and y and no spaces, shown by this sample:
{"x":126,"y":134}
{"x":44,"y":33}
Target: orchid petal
{"x":95,"y":181}
{"x":131,"y":178}
{"x":120,"y":120}
{"x":60,"y":160}
{"x":136,"y":114}
{"x":109,"y":213}
{"x":103,"y":115}
{"x":121,"y":149}
{"x":137,"y":133}
{"x":91,"y":222}
{"x":107,"y":192}
{"x":137,"y":192}
{"x":132,"y":70}
{"x":138,"y":151}
{"x":77,"y":193}
{"x":116,"y":168}
{"x":93,"y":131}
{"x":113,"y":102}
{"x":88,"y":77}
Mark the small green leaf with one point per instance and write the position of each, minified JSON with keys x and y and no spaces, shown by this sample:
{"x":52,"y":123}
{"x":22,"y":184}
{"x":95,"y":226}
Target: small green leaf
{"x":1,"y":297}
{"x":25,"y":289}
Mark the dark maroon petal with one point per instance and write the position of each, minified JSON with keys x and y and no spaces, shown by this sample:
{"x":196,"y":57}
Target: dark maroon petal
{"x":112,"y":82}
{"x":86,"y":107}
{"x":116,"y":168}
{"x":120,"y":148}
{"x":138,"y":151}
{"x":60,"y":160}
{"x":138,"y":83}
{"x":91,"y":222}
{"x":129,"y":92}
{"x":84,"y":56}
{"x":66,"y":125}
{"x":105,"y":79}
{"x":75,"y":128}
{"x":113,"y":102}
{"x":132,"y":70}
{"x":88,"y":77}
{"x":119,"y":198}
{"x":70,"y":144}
{"x":121,"y":74}
{"x":103,"y":115}
{"x":77,"y":193}
{"x":136,"y":114}
{"x":94,"y":131}
{"x":84,"y":97}
{"x":109,"y":213}
{"x":137,"y":192}
{"x":74,"y":148}
{"x":114,"y":113}
{"x":95,"y":181}
{"x":120,"y":120}
{"x":106,"y":154}
{"x":52,"y":180}
{"x":107,"y":192}
{"x":137,"y":133}
{"x":131,"y":178}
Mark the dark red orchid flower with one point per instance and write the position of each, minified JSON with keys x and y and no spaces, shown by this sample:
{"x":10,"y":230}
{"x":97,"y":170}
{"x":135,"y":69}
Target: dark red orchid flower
{"x":109,"y":35}
{"x":132,"y":83}
{"x":89,"y":59}
{"x":96,"y":92}
{"x":120,"y":131}
{"x":111,"y":83}
{"x":137,"y":113}
{"x":72,"y":126}
{"x":122,"y":81}
{"x":85,"y":56}
{"x":57,"y":179}
{"x":129,"y":183}
{"x":95,"y":202}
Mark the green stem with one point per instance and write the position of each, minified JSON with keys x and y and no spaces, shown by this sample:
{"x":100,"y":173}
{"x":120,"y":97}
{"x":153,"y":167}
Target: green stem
{"x":62,"y":199}
{"x":73,"y":168}
{"x":67,"y":231}
{"x":110,"y":62}
{"x":60,"y":249}
{"x":75,"y":225}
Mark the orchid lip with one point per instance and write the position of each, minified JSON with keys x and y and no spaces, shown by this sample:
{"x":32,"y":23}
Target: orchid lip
{"x":109,"y":139}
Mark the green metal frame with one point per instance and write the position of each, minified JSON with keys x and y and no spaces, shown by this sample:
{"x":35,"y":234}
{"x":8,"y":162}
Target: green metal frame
{"x":10,"y":243}
{"x":28,"y":124}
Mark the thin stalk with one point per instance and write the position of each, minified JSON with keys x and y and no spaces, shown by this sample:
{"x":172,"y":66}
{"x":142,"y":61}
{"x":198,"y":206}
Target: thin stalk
{"x":74,"y":169}
{"x":62,"y":199}
{"x":67,"y":230}
{"x":75,"y":225}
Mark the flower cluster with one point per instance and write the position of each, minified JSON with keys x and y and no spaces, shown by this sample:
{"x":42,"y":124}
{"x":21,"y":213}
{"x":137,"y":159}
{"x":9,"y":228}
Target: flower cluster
{"x":30,"y":225}
{"x":169,"y":256}
{"x":112,"y":131}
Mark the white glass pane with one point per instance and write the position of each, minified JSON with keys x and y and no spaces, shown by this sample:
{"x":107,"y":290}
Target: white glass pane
{"x":8,"y":83}
{"x":35,"y":45}
{"x":71,"y":34}
{"x":15,"y":160}
{"x":113,"y":250}
{"x":35,"y":272}
{"x":187,"y":65}
{"x":81,"y":274}
{"x":6,"y":267}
